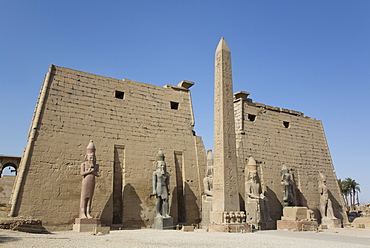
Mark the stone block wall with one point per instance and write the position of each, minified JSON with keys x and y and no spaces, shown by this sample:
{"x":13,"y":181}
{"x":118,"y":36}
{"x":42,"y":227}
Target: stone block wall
{"x":274,"y":136}
{"x":128,"y":122}
{"x":6,"y":186}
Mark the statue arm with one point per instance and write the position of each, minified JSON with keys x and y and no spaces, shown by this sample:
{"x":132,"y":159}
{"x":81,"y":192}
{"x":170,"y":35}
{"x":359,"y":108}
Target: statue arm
{"x":250,"y":193}
{"x":168,"y":184}
{"x":154,"y":183}
{"x":96,"y":171}
{"x":253,"y":196}
{"x":282,"y":180}
{"x":83,"y":171}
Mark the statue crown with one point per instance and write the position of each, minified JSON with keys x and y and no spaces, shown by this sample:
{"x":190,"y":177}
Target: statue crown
{"x":160,"y":155}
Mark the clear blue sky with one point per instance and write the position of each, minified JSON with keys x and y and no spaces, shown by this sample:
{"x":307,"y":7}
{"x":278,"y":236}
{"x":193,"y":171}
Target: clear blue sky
{"x":310,"y":56}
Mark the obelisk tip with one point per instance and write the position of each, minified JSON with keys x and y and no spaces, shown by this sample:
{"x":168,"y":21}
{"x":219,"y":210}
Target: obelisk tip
{"x":222,"y":45}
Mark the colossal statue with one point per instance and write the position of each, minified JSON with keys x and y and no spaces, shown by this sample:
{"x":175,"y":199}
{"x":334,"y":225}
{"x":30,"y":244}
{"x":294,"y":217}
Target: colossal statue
{"x":287,"y":187}
{"x":161,"y":185}
{"x":324,"y":195}
{"x":89,"y":170}
{"x":326,"y":206}
{"x":208,"y":180}
{"x":256,"y":203}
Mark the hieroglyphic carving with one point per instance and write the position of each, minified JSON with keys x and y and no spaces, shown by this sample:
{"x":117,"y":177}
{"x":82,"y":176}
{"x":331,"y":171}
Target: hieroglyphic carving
{"x":225,"y":214}
{"x":225,"y":190}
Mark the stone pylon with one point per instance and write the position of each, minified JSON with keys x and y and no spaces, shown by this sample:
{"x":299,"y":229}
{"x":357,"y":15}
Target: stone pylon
{"x":226,"y":214}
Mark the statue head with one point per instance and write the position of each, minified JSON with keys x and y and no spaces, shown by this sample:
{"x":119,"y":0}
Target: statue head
{"x":161,"y":165}
{"x":160,"y":155}
{"x":210,"y":158}
{"x":322,"y":178}
{"x":285,"y":173}
{"x":284,"y":169}
{"x":210,"y":161}
{"x":251,"y":169}
{"x":90,"y":153}
{"x":253,"y":175}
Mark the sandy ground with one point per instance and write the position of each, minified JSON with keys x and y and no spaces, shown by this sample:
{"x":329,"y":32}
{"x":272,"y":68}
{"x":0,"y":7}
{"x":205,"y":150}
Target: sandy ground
{"x":199,"y":238}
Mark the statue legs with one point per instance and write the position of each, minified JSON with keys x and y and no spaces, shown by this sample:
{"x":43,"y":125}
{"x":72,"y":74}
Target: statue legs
{"x":85,"y":208}
{"x":266,"y":210}
{"x":88,"y":208}
{"x":158,"y":206}
{"x":165,"y":207}
{"x":82,"y":213}
{"x":83,"y":204}
{"x":162,"y":207}
{"x":323,"y":207}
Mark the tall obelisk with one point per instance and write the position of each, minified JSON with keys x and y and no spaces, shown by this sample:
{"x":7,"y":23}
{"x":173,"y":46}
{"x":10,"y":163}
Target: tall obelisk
{"x":225,"y":214}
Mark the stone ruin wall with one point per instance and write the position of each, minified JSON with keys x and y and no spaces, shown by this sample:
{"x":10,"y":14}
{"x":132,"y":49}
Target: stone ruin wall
{"x":127,"y":133}
{"x":6,"y":186}
{"x":301,"y":146}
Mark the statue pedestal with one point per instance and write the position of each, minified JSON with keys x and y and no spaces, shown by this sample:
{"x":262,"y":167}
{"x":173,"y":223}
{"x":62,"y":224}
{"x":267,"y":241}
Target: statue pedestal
{"x":162,"y":223}
{"x":229,"y":227}
{"x":206,"y":210}
{"x":361,"y":222}
{"x":297,"y":225}
{"x":228,"y":221}
{"x":268,"y":225}
{"x":331,"y":223}
{"x":297,"y":219}
{"x":295,"y":213}
{"x":256,"y":213}
{"x":85,"y":225}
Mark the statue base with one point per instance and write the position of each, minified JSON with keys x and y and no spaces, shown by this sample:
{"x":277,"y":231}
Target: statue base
{"x":297,"y":219}
{"x":228,"y":221}
{"x":297,"y":225}
{"x":361,"y":222}
{"x":162,"y":223}
{"x":85,"y":225}
{"x":330,"y":223}
{"x":229,"y":227}
{"x":269,"y":225}
{"x":297,"y":213}
{"x":206,"y":210}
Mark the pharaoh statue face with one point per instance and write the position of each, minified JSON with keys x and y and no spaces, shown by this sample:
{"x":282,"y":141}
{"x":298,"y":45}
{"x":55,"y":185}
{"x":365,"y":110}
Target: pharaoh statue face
{"x":90,"y":157}
{"x":161,"y":166}
{"x":253,"y":175}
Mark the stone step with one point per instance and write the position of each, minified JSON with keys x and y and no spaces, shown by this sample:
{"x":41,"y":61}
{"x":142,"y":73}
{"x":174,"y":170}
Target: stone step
{"x":22,"y":224}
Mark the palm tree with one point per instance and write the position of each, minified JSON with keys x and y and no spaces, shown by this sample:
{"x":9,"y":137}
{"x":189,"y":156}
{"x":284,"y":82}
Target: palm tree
{"x":344,"y":190}
{"x":354,"y":188}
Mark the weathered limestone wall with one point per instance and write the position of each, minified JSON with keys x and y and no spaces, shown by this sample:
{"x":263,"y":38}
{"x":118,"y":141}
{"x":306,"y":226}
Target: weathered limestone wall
{"x":6,"y":186}
{"x":274,"y":136}
{"x":127,"y":133}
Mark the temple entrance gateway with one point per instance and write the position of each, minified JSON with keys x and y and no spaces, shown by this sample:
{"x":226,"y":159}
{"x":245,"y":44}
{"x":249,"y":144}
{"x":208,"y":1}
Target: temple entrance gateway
{"x":180,"y":196}
{"x":118,"y":182}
